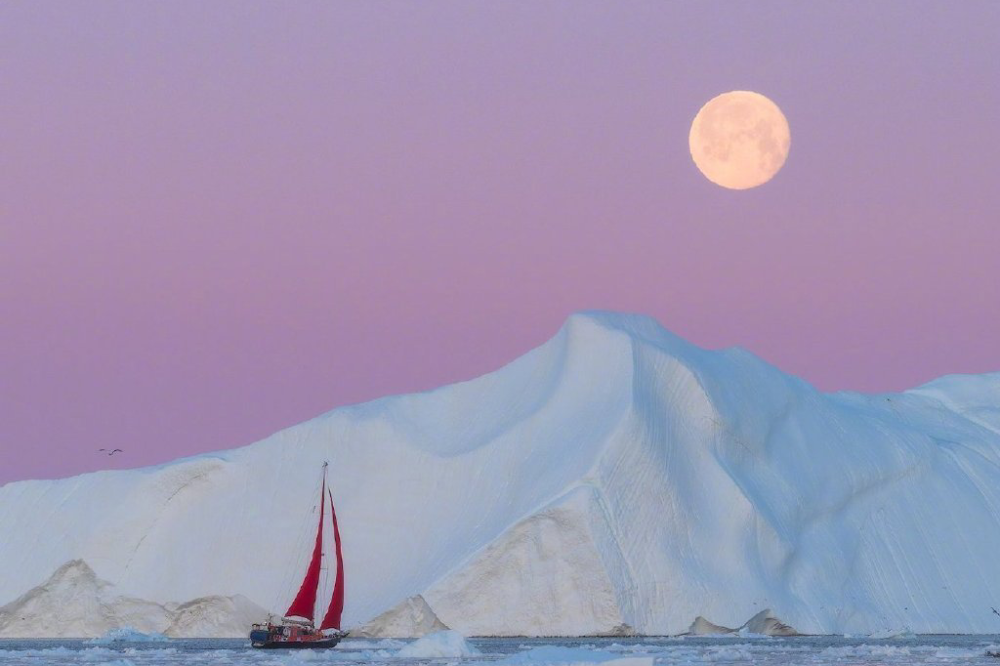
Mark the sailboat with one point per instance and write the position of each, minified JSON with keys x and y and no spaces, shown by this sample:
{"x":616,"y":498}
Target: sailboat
{"x":297,"y":628}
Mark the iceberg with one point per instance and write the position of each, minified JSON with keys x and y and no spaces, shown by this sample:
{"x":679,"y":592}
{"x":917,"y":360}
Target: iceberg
{"x":762,"y":624}
{"x":75,"y":603}
{"x":702,"y":627}
{"x":616,"y":478}
{"x":412,"y":618}
{"x":765,"y":624}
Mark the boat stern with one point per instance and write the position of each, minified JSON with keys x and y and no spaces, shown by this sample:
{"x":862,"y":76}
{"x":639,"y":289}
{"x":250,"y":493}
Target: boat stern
{"x":259,"y":636}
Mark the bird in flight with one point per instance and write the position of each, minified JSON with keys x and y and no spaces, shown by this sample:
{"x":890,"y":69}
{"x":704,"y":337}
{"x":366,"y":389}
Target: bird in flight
{"x":112,"y":451}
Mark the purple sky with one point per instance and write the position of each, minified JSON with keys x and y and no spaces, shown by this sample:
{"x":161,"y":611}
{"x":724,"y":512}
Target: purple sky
{"x":220,"y":219}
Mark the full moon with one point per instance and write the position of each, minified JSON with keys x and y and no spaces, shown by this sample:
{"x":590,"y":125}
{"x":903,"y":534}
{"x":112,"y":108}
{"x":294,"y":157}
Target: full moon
{"x":739,"y":139}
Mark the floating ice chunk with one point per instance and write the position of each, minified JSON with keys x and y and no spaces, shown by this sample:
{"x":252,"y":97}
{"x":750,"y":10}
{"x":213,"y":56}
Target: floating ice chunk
{"x":440,"y":645}
{"x":554,"y":654}
{"x":729,"y":653}
{"x":127,"y":635}
{"x":361,"y":644}
{"x":892,"y":633}
{"x":864,"y":651}
{"x":961,"y":653}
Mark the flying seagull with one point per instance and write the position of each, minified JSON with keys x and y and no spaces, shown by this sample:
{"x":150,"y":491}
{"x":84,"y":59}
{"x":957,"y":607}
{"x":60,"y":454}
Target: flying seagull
{"x":112,"y":451}
{"x":995,"y":610}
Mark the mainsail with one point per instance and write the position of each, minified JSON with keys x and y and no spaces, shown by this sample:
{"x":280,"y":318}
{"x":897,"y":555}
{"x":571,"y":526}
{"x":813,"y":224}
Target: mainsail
{"x":304,"y":605}
{"x":332,"y":618}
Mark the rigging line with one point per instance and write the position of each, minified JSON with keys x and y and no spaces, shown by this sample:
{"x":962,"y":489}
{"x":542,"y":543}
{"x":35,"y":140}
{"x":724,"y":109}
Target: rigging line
{"x":288,"y":588}
{"x":285,"y":591}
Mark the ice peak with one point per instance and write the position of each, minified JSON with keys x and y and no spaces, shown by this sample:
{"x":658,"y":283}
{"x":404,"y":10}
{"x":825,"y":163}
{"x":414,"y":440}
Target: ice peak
{"x":73,"y":571}
{"x":603,"y":328}
{"x":636,"y":326}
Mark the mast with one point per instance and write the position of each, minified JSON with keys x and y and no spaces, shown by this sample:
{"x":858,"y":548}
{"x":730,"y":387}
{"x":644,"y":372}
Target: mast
{"x":304,"y":604}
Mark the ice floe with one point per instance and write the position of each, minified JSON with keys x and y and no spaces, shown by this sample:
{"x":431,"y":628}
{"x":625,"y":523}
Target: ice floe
{"x":127,"y":635}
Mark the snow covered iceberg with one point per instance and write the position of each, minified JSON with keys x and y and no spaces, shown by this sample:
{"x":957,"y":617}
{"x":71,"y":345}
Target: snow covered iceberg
{"x":411,"y":618}
{"x":761,"y":624}
{"x":75,"y":603}
{"x":616,"y":476}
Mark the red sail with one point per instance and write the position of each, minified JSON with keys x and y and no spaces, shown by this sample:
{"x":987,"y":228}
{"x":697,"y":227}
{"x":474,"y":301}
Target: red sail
{"x":332,"y":618}
{"x":305,"y":601}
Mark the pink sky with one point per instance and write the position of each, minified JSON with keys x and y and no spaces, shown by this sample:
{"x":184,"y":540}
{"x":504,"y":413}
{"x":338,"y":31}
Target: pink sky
{"x":220,"y":219}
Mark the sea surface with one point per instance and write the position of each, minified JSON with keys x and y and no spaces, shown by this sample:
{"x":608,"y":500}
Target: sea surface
{"x":841,"y":651}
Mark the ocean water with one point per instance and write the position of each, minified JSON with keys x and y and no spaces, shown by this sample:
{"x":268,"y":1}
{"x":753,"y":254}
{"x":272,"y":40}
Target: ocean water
{"x":639,"y":651}
{"x":841,"y":651}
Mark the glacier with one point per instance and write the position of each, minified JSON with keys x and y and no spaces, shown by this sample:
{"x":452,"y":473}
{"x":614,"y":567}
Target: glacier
{"x":615,"y":480}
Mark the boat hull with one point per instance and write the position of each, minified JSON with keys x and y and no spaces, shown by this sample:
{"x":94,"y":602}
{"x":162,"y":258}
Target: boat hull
{"x":298,"y":645}
{"x":284,"y":637}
